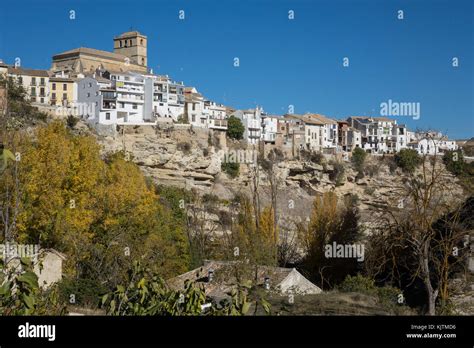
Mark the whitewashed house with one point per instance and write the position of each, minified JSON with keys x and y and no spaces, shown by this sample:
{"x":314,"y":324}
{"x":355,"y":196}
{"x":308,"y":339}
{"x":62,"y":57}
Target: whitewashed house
{"x":378,"y":134}
{"x":96,"y":100}
{"x":252,"y":122}
{"x":432,"y":143}
{"x":328,"y":136}
{"x":269,"y":128}
{"x":134,"y":98}
{"x":194,"y":110}
{"x":217,"y":115}
{"x":168,"y":98}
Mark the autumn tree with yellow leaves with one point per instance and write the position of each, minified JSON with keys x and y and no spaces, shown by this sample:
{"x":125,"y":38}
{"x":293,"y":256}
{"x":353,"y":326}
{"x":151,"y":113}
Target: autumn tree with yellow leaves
{"x":332,"y":220}
{"x":101,"y":212}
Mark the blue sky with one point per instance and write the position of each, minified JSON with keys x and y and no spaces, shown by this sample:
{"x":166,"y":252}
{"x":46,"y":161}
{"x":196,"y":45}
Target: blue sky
{"x":282,"y":62}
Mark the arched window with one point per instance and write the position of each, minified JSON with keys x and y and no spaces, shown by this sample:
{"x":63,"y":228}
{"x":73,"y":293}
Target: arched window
{"x":143,"y":61}
{"x":141,"y":42}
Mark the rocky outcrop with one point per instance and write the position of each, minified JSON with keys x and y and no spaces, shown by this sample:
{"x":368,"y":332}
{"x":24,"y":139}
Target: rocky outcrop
{"x":191,"y":159}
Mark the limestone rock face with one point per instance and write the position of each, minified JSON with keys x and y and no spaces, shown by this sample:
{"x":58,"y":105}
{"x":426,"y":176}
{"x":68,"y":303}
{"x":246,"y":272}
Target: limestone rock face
{"x":190,"y":159}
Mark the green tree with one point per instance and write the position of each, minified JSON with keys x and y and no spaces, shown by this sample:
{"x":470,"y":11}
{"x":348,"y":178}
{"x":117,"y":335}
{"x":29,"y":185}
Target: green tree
{"x":408,"y":160}
{"x":231,"y":168}
{"x":358,"y":159}
{"x":454,"y":162}
{"x":329,"y":222}
{"x":235,"y":128}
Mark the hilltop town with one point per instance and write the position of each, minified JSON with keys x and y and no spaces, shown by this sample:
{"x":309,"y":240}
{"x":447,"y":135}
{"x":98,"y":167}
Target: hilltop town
{"x":114,"y":89}
{"x":134,"y":173}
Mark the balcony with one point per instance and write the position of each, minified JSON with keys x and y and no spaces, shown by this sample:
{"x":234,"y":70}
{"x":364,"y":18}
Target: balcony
{"x":108,"y":106}
{"x":130,"y":98}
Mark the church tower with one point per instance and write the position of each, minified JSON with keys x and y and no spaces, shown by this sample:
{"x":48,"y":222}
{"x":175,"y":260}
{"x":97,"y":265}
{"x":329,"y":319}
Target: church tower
{"x":132,"y":44}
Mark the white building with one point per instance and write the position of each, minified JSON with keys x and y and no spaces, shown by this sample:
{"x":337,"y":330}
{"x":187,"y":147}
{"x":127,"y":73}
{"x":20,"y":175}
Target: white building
{"x":168,"y":98}
{"x":328,"y":136}
{"x":432,"y":143}
{"x":401,"y":135}
{"x":270,"y":128}
{"x":378,"y":133}
{"x":217,"y":115}
{"x":194,"y":110}
{"x":252,"y":121}
{"x":97,"y":100}
{"x":134,"y":97}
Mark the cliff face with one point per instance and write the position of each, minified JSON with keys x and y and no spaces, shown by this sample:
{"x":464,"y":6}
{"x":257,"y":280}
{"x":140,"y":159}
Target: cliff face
{"x":192,"y":159}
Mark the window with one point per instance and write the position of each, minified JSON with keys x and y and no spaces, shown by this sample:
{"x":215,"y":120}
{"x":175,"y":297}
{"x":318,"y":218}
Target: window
{"x":97,"y":93}
{"x":54,"y":86}
{"x":33,"y":80}
{"x":88,"y":95}
{"x":64,"y":96}
{"x":107,"y":115}
{"x":194,"y":107}
{"x":141,"y":41}
{"x":90,"y":84}
{"x":134,"y":106}
{"x":42,"y":81}
{"x":53,"y":96}
{"x":122,"y":105}
{"x":33,"y":91}
{"x":42,"y":91}
{"x":64,"y":86}
{"x":120,"y":44}
{"x":194,"y":118}
{"x":42,"y":100}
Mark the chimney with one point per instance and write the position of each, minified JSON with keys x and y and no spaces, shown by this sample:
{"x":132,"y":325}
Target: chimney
{"x":266,"y":283}
{"x":210,"y":275}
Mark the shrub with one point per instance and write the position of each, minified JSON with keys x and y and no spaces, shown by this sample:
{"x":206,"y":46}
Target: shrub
{"x":358,"y":159}
{"x":372,"y":169}
{"x":86,"y":292}
{"x":387,"y":295}
{"x":408,"y":160}
{"x":454,"y":161}
{"x":235,"y":128}
{"x":369,"y":190}
{"x":71,"y":121}
{"x":182,"y":119}
{"x":185,"y":147}
{"x":231,"y":168}
{"x":210,"y":198}
{"x":358,"y":283}
{"x":337,"y":175}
